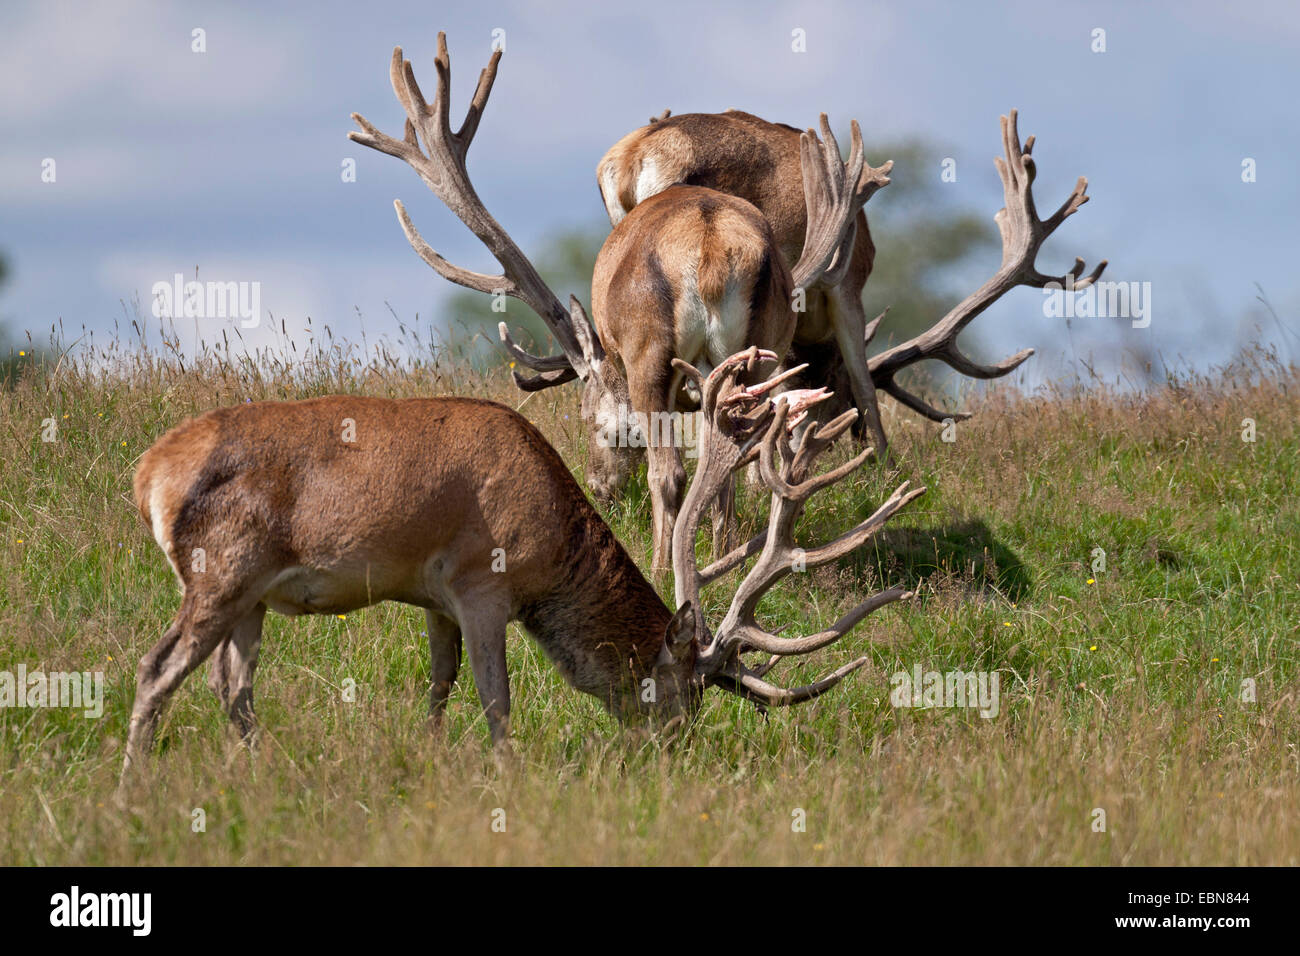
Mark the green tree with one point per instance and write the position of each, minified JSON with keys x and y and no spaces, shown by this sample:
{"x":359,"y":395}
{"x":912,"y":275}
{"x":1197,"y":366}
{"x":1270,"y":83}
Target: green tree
{"x":925,"y":244}
{"x":10,"y":361}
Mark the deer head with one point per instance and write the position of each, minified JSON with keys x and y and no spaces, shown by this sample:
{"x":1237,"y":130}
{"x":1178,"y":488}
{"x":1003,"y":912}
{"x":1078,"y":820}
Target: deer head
{"x":743,"y":424}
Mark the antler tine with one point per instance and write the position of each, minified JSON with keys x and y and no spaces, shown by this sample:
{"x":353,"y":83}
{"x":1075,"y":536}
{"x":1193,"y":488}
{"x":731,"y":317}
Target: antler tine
{"x":554,"y":369}
{"x":793,"y":646}
{"x":723,"y":378}
{"x":740,"y":630}
{"x":486,"y":77}
{"x":689,"y":370}
{"x":786,"y":482}
{"x":1023,"y":233}
{"x":732,"y":559}
{"x":441,"y":164}
{"x":749,"y":684}
{"x":850,"y":541}
{"x":478,"y":281}
{"x":834,"y":191}
{"x":870,"y":179}
{"x":823,"y":436}
{"x":918,"y":405}
{"x":869,"y":332}
{"x":538,"y":363}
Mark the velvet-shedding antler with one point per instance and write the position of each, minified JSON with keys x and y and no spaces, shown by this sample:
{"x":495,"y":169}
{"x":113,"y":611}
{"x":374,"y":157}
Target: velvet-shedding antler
{"x":741,"y":424}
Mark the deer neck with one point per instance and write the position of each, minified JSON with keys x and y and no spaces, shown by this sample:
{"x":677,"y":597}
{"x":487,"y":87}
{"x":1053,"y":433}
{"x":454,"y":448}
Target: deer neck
{"x":601,"y":621}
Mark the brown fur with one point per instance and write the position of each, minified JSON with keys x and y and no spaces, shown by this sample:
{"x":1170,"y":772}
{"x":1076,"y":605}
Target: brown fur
{"x":742,"y":155}
{"x":684,"y":237}
{"x":691,"y":274}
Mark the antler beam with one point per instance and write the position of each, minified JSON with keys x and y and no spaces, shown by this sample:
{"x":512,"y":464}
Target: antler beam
{"x":1023,"y":233}
{"x":441,"y":164}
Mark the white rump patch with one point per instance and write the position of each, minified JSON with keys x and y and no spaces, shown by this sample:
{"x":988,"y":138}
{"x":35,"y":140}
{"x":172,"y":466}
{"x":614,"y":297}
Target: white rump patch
{"x":649,"y":180}
{"x":609,"y":192}
{"x":157,"y":518}
{"x":728,"y":329}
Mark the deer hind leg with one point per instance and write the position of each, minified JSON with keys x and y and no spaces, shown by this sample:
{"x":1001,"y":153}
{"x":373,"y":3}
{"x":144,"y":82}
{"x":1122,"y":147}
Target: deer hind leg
{"x":231,"y":672}
{"x":653,"y":398}
{"x":200,"y":626}
{"x":850,"y":323}
{"x":724,"y":519}
{"x":667,"y":478}
{"x":444,"y":658}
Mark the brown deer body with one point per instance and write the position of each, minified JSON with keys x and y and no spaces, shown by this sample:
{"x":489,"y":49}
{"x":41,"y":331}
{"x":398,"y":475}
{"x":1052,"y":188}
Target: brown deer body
{"x":742,"y":155}
{"x":460,"y":506}
{"x":739,"y":153}
{"x":323,"y":506}
{"x":693,"y":275}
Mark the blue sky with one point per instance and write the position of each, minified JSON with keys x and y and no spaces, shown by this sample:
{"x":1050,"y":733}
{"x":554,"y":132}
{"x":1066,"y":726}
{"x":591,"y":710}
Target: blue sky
{"x":230,"y":160}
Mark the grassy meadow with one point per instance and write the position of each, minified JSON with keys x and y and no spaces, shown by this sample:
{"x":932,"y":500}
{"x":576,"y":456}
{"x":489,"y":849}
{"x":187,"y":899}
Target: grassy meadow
{"x":1121,"y":690}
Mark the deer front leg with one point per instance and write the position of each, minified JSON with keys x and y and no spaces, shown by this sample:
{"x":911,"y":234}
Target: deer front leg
{"x":444,"y":659}
{"x":850,"y":323}
{"x":483,"y":623}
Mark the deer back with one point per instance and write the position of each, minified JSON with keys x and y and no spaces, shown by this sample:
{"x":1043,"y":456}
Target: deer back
{"x":694,"y":274}
{"x":733,"y":152}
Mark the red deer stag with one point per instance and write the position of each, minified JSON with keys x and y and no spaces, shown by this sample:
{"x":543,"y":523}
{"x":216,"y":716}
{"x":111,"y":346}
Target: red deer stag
{"x":740,"y":154}
{"x":693,"y":274}
{"x":460,"y":506}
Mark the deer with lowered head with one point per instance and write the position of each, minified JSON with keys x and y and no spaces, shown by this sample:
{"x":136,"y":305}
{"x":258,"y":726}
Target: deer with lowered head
{"x":460,"y":506}
{"x":691,"y":274}
{"x":738,"y":153}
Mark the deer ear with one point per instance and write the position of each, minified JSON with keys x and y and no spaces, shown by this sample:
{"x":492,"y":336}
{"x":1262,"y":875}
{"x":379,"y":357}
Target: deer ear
{"x":680,"y":635}
{"x":592,"y":351}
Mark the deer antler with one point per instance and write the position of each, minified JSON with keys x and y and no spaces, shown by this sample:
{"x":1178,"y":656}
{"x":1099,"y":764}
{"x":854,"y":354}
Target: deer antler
{"x":1022,"y":235}
{"x":739,"y":424}
{"x":441,"y":164}
{"x":833,"y":191}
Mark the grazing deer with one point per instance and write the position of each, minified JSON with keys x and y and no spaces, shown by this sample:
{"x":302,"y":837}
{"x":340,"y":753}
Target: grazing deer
{"x":460,"y":506}
{"x":740,"y":154}
{"x":692,"y":274}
